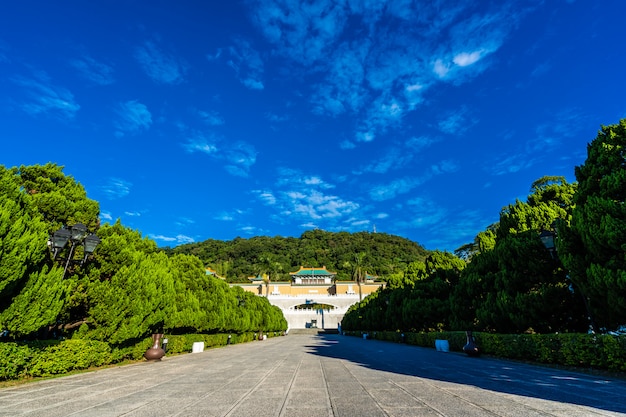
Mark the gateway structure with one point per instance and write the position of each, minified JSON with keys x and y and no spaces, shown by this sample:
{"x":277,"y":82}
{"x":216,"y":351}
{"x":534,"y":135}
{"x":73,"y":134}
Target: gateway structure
{"x":313,"y":298}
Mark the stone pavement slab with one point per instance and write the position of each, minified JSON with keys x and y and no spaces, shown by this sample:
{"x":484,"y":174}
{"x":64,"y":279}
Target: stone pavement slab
{"x":304,"y":375}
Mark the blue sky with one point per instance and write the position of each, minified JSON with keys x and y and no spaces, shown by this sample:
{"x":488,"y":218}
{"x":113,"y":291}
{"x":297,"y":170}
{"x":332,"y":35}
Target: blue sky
{"x":195,"y":120}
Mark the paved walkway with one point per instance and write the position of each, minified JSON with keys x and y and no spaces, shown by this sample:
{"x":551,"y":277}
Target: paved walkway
{"x":320,"y":375}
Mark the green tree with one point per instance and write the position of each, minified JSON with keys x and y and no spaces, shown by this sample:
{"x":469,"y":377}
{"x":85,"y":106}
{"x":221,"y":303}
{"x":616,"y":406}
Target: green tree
{"x":133,"y":303}
{"x":484,"y":241}
{"x":517,"y":286}
{"x":31,"y":292}
{"x":59,"y":198}
{"x":23,"y":237}
{"x":592,"y":246}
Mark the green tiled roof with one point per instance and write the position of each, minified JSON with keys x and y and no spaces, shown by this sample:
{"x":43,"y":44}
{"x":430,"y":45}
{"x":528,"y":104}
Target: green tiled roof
{"x":312,"y":271}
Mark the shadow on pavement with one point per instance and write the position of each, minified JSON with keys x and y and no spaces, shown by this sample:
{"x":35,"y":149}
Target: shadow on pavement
{"x":486,"y":373}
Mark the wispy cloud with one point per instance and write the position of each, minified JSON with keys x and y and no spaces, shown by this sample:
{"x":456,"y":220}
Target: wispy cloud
{"x":275,"y":118}
{"x":398,"y":186}
{"x":252,"y":230}
{"x":161,"y":67}
{"x":211,"y":117}
{"x":394,"y":159}
{"x":304,"y":31}
{"x":116,"y":188}
{"x":132,"y":117}
{"x":265,"y":196}
{"x":43,"y":97}
{"x":178,"y":239}
{"x":548,"y":136}
{"x":398,"y":156}
{"x":456,"y":122}
{"x":448,"y":232}
{"x":294,"y":177}
{"x":200,"y":142}
{"x":306,"y":198}
{"x":390,"y":190}
{"x":418,"y":46}
{"x":237,"y":156}
{"x":93,"y":70}
{"x":245,"y":61}
{"x":422,"y":213}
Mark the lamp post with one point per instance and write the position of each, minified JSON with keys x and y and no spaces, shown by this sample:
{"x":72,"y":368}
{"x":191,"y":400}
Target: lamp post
{"x":75,"y":235}
{"x":548,"y":238}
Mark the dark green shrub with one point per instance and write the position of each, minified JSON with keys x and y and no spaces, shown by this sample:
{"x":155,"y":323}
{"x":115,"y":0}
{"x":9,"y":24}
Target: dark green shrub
{"x":570,"y":349}
{"x":14,"y":358}
{"x":69,"y":355}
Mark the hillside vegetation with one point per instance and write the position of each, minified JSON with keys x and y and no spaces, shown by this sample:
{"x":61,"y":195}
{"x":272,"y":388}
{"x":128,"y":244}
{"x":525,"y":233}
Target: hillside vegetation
{"x":379,"y":254}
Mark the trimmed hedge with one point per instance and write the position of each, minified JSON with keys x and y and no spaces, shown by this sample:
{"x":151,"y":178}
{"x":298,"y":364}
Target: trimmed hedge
{"x":52,"y":357}
{"x":570,"y":349}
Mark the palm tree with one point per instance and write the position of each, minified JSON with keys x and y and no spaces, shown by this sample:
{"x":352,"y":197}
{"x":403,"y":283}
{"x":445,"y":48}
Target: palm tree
{"x":358,"y":273}
{"x":271,"y":267}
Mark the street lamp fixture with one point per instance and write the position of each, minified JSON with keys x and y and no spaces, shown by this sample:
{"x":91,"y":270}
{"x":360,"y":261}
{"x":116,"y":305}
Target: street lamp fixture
{"x":548,"y":239}
{"x":75,"y":235}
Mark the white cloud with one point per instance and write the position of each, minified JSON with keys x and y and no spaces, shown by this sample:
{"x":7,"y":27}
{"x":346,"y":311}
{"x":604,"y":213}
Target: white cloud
{"x":306,"y":197}
{"x":440,"y":68}
{"x":199,"y":142}
{"x":416,"y":48}
{"x":161,"y":67}
{"x":457,"y":122}
{"x":564,"y":125}
{"x":237,"y":157}
{"x":252,"y":230}
{"x":240,"y":156}
{"x":444,"y":167}
{"x":303,"y":31}
{"x":275,"y":118}
{"x":42,"y":97}
{"x":93,"y":70}
{"x":422,"y":213}
{"x":133,"y":117}
{"x":211,"y":118}
{"x":346,"y":144}
{"x":116,"y":188}
{"x":465,"y":59}
{"x":266,"y":197}
{"x":294,"y":177}
{"x":397,"y":157}
{"x":316,"y":205}
{"x":392,"y":189}
{"x":178,"y":239}
{"x":245,"y":61}
{"x":224,"y":217}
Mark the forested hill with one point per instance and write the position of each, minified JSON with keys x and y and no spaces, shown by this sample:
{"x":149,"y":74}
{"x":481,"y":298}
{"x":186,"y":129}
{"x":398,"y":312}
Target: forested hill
{"x":378,"y":253}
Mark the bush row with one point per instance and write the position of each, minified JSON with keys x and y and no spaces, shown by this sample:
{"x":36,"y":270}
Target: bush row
{"x":46,"y":358}
{"x":570,"y":349}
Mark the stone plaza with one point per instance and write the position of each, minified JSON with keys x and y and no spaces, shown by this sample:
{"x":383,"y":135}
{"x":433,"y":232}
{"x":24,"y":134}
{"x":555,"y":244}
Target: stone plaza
{"x":307,"y":374}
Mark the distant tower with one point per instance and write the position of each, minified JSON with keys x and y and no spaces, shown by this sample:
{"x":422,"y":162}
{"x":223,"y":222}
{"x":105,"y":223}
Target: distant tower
{"x":374,"y":227}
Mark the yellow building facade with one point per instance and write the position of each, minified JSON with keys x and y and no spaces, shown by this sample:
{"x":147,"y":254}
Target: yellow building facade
{"x":312,"y":287}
